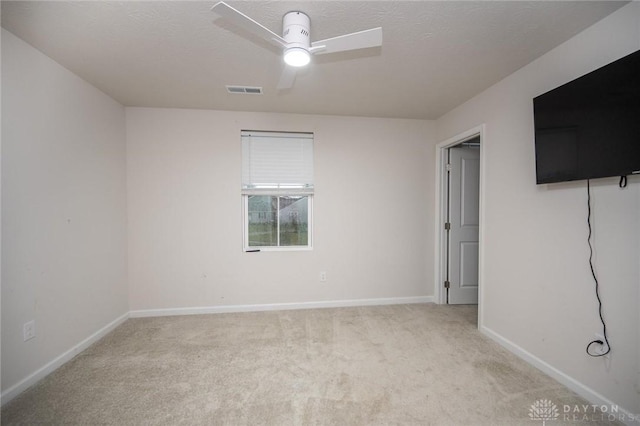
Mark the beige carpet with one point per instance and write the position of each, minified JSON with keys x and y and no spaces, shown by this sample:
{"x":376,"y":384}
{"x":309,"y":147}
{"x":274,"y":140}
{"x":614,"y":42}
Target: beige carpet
{"x":405,"y":364}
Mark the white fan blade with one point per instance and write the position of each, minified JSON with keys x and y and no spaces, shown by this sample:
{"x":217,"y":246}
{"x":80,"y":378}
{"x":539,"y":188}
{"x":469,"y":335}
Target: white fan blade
{"x":243,"y":21}
{"x":353,"y":41}
{"x":287,"y":78}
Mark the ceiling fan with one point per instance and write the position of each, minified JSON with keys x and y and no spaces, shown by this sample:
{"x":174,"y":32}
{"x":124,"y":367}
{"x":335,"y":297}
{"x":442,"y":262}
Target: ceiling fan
{"x":295,"y":41}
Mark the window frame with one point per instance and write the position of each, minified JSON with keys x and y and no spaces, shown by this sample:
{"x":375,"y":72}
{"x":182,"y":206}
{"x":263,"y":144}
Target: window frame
{"x":277,"y":180}
{"x":245,"y":224}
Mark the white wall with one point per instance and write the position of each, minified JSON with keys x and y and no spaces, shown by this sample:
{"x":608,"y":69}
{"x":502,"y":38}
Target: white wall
{"x":63,"y":210}
{"x":373,"y":211}
{"x":538,"y":291}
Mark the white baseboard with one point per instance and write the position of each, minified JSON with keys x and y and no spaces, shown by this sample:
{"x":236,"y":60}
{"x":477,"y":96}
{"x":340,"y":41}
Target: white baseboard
{"x":279,"y":306}
{"x":50,"y":367}
{"x":576,"y":386}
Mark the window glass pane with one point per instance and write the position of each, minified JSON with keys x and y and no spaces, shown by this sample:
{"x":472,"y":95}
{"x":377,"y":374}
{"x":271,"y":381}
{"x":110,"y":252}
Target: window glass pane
{"x":294,"y":220}
{"x":263,"y":227}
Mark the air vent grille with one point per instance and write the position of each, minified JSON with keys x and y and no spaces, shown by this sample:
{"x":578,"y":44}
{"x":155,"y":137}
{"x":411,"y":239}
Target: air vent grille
{"x":245,"y":90}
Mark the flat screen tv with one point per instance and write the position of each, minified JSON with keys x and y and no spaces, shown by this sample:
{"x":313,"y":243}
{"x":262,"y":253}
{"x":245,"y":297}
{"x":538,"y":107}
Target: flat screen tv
{"x":590,"y":127}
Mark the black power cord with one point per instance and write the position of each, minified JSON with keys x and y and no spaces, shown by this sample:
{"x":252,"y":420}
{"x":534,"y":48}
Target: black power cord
{"x":595,"y":279}
{"x":623,"y":182}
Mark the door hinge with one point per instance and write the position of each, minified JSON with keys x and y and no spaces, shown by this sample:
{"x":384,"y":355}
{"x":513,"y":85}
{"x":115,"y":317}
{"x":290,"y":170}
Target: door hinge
{"x":447,"y":226}
{"x":448,"y":167}
{"x":447,"y":284}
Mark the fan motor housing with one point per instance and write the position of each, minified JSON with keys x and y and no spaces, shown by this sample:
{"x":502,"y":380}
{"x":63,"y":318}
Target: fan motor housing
{"x":296,"y":29}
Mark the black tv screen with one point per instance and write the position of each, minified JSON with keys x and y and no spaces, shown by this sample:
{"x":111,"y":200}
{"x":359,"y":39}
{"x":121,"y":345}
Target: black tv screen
{"x":590,"y":127}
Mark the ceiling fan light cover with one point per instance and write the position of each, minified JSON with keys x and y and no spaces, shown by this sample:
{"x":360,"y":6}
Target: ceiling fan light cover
{"x":297,"y":57}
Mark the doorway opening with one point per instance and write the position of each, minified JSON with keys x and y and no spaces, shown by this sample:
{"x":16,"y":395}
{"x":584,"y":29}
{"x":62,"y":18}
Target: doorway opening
{"x":459,"y":219}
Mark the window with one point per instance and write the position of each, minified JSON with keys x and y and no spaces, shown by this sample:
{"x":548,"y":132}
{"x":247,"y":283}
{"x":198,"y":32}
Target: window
{"x":277,"y":190}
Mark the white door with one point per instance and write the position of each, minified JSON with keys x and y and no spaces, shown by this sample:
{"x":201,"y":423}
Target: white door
{"x":463,"y":219}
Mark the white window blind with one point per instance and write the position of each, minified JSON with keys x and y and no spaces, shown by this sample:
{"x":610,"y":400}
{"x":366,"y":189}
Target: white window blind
{"x":277,"y":162}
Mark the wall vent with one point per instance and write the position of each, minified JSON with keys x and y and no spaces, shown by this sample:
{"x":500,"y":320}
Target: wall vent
{"x":245,"y":90}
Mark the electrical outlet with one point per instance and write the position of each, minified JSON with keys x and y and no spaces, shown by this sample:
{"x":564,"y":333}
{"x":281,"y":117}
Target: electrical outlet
{"x":600,"y":349}
{"x":323,"y":276}
{"x":29,"y":330}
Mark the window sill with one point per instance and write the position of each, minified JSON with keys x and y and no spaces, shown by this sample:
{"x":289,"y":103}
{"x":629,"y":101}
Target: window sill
{"x":275,"y":249}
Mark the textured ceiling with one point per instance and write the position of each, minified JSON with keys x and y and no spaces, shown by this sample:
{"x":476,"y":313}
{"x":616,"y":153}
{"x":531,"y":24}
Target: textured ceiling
{"x":435,"y":54}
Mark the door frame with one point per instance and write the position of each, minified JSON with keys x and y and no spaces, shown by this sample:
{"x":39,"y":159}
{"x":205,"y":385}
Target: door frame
{"x":441,"y":205}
